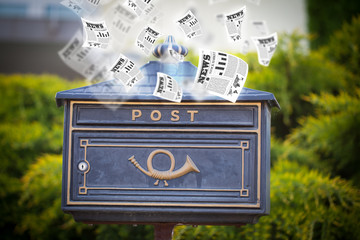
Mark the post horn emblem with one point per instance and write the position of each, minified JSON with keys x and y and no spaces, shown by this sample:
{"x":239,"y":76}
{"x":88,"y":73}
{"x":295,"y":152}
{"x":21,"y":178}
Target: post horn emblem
{"x":189,"y":166}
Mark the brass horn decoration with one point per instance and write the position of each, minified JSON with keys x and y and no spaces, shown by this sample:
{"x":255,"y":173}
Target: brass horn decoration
{"x":189,"y":166}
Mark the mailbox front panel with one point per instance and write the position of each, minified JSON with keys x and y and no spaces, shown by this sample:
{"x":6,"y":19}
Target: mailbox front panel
{"x":153,"y":154}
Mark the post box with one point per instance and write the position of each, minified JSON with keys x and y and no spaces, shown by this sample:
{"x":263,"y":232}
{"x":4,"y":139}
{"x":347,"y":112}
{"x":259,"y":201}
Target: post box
{"x":135,"y":158}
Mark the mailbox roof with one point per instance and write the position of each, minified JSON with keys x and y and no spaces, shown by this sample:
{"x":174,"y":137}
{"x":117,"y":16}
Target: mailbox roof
{"x":183,"y":72}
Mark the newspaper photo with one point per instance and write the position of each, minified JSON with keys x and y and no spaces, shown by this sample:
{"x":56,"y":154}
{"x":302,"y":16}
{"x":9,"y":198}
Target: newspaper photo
{"x":84,"y":60}
{"x":126,"y":72}
{"x":233,"y":23}
{"x":265,"y":47}
{"x":138,"y":6}
{"x":120,"y":20}
{"x":167,"y":88}
{"x":96,"y":34}
{"x":261,"y":28}
{"x":221,"y":74}
{"x":146,"y":39}
{"x":190,"y":25}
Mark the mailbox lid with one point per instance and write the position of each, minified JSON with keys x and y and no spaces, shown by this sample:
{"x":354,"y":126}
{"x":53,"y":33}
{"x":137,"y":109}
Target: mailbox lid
{"x":113,"y":90}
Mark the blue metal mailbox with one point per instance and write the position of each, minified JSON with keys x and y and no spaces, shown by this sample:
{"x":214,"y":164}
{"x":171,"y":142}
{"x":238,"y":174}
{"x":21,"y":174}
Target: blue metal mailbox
{"x":134,"y":158}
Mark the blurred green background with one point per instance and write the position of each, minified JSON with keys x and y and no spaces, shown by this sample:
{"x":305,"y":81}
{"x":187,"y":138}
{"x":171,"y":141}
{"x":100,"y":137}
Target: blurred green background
{"x":315,"y":148}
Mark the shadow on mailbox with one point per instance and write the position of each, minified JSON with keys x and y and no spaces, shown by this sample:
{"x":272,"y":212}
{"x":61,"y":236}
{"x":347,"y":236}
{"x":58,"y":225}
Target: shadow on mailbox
{"x":135,"y":158}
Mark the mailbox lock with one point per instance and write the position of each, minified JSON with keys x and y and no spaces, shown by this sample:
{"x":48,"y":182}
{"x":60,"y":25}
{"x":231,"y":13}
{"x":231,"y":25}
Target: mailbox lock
{"x":82,"y":166}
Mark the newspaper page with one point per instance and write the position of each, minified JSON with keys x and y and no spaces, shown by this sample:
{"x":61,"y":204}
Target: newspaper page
{"x":220,"y":18}
{"x":96,"y":34}
{"x":171,"y":56}
{"x":175,"y":55}
{"x":216,"y":1}
{"x":245,"y":47}
{"x":221,"y":74}
{"x":126,"y":72}
{"x":81,"y":59}
{"x":257,"y":2}
{"x":260,"y":28}
{"x":190,"y":25}
{"x":167,"y":88}
{"x":234,"y":22}
{"x":75,"y":6}
{"x":152,"y":13}
{"x":121,"y":21}
{"x":82,"y":8}
{"x":138,"y":6}
{"x":102,"y":74}
{"x":146,"y":39}
{"x":265,"y":47}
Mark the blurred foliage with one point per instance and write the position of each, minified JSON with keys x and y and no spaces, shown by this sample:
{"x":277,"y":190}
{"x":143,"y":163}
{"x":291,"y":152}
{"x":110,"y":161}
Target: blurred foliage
{"x":30,"y":122}
{"x":42,"y":215}
{"x":333,"y":132}
{"x":30,"y":125}
{"x":327,"y":16}
{"x":286,"y":150}
{"x":306,"y":204}
{"x":344,"y":48}
{"x":293,"y":73}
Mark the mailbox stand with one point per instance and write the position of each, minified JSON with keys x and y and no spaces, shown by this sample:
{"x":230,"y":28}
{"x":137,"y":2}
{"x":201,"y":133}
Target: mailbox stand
{"x":136,"y":159}
{"x":163,"y":231}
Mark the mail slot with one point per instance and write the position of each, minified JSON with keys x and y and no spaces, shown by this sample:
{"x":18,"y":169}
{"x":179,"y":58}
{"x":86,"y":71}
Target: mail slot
{"x":134,"y":158}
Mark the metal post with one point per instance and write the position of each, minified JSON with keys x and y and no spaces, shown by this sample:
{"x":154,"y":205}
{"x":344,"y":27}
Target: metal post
{"x":163,"y":231}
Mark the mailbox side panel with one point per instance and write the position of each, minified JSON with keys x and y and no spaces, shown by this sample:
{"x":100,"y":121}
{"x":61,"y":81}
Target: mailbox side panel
{"x":65,"y":153}
{"x":265,"y":158}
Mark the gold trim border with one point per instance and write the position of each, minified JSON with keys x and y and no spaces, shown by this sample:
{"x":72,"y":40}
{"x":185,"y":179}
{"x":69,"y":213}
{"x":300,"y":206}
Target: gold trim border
{"x":244,"y":145}
{"x":240,"y":205}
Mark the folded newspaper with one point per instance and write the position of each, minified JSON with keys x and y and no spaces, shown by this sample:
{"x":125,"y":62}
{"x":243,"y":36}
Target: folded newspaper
{"x":221,"y":74}
{"x":265,"y":47}
{"x":167,"y":88}
{"x":126,"y":72}
{"x":96,"y":34}
{"x":190,"y":25}
{"x":146,"y":39}
{"x":234,"y":23}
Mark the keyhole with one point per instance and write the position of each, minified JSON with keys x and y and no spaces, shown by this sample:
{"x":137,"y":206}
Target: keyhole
{"x":83,"y":166}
